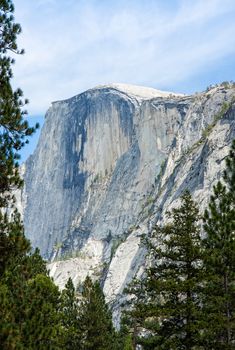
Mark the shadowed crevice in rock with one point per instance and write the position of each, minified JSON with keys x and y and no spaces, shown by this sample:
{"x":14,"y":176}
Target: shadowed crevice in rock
{"x":115,"y":156}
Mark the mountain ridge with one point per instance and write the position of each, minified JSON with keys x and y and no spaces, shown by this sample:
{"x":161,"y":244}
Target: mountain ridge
{"x":107,"y":168}
{"x":138,"y":91}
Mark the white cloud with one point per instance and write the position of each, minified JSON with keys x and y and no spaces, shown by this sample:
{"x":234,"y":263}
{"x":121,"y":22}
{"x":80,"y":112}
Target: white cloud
{"x":74,"y":45}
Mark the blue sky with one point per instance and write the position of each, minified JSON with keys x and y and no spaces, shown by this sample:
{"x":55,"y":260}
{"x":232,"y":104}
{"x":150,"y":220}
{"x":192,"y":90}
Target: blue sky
{"x":175,"y":45}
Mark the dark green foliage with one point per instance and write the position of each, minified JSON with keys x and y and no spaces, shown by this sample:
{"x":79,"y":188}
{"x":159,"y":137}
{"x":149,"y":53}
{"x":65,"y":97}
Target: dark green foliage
{"x":34,"y":315}
{"x":127,"y":344}
{"x":137,"y":306}
{"x":13,"y":244}
{"x":124,"y":337}
{"x":186,"y":299}
{"x":70,"y":316}
{"x":41,"y":325}
{"x":29,"y":305}
{"x":219,"y":245}
{"x":14,"y":130}
{"x":229,"y":174}
{"x":97,"y":332}
{"x":167,"y":301}
{"x":28,"y":297}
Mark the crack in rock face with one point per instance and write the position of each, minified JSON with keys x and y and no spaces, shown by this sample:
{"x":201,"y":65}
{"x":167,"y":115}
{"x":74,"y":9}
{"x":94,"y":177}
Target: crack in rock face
{"x":108,"y":164}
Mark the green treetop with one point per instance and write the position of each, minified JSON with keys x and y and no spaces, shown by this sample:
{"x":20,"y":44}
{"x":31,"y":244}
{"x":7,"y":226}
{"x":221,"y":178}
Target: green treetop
{"x":168,"y":298}
{"x":14,"y":129}
{"x":29,"y":317}
{"x":70,"y":317}
{"x":97,"y":332}
{"x":219,"y":261}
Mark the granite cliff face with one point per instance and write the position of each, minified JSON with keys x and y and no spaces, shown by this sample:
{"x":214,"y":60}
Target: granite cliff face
{"x":108,"y":164}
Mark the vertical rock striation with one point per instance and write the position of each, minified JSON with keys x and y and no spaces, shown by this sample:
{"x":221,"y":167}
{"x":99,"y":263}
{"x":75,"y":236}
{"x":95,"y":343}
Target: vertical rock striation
{"x":97,"y":155}
{"x":108,"y":164}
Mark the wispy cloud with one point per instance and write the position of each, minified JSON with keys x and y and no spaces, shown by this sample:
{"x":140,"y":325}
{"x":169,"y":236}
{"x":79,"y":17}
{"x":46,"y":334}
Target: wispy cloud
{"x":74,"y":45}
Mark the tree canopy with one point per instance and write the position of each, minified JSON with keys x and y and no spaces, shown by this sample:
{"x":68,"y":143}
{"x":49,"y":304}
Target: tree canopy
{"x":219,"y":261}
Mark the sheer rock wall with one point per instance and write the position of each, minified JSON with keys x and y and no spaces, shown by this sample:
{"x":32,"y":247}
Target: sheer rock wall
{"x":109,"y":163}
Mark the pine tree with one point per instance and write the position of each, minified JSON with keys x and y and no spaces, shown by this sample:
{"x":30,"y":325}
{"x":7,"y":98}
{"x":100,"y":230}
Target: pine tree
{"x":29,"y":301}
{"x":170,"y":292}
{"x":40,"y":324}
{"x":219,"y":261}
{"x":124,"y":337}
{"x":13,"y":243}
{"x":70,"y":315}
{"x":28,"y":297}
{"x":14,"y":129}
{"x":136,"y":310}
{"x":95,"y":321}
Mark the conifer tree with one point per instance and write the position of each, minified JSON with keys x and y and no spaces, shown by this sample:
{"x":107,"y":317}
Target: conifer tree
{"x":124,"y":337}
{"x":14,"y":129}
{"x":29,"y":303}
{"x":219,"y":261}
{"x":13,"y":243}
{"x":170,"y":293}
{"x":14,"y":132}
{"x":28,"y":297}
{"x":41,"y":326}
{"x":136,"y":310}
{"x":70,"y":315}
{"x":95,"y":321}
